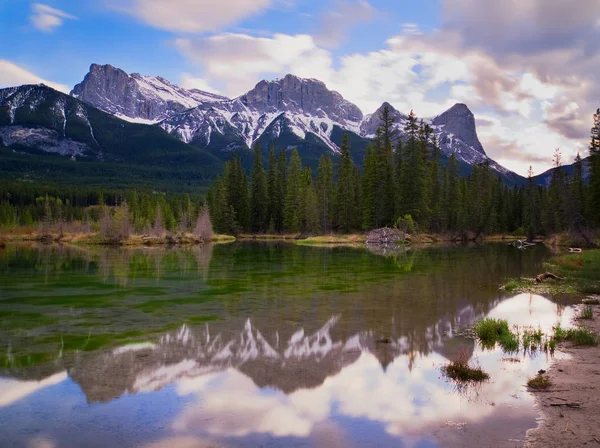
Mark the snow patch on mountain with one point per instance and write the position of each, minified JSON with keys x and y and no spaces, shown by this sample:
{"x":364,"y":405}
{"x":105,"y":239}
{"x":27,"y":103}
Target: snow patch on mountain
{"x":47,"y":140}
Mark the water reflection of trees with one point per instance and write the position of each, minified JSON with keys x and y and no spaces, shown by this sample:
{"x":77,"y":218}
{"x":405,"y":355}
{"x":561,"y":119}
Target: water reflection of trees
{"x":416,"y":298}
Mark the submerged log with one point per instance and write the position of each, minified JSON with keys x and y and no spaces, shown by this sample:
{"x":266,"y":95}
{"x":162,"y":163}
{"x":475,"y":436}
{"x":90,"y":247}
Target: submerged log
{"x":546,"y":275}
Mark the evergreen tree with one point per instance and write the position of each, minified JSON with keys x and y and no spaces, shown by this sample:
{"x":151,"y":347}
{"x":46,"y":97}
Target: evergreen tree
{"x":259,"y":205}
{"x":415,"y":177}
{"x":369,"y":181}
{"x":435,"y":187}
{"x":273,"y":193}
{"x":594,"y":177}
{"x":555,"y":213}
{"x":577,"y":199}
{"x":292,"y":219}
{"x":346,"y":202}
{"x":452,"y":203}
{"x":237,"y":191}
{"x":309,"y":204}
{"x":325,"y":192}
{"x":280,"y":192}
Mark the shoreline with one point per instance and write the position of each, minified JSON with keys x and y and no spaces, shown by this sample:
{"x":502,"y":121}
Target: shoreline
{"x":179,"y":239}
{"x":570,"y":407}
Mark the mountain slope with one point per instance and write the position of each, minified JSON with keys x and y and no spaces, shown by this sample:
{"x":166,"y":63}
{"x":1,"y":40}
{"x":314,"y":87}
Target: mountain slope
{"x":287,"y":112}
{"x":545,"y":178}
{"x":39,"y":126}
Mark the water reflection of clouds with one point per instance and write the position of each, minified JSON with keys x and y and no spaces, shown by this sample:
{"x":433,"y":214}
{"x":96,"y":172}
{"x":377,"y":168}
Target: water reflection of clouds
{"x":533,"y":310}
{"x":404,"y":400}
{"x":229,"y":404}
{"x":14,"y":390}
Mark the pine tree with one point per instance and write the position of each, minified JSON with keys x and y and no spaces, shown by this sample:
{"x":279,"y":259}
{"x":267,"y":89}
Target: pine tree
{"x":325,"y":193}
{"x":280,"y":191}
{"x":259,"y":206}
{"x":398,"y":210}
{"x":555,"y":214}
{"x":346,"y":202}
{"x":453,"y":206}
{"x":273,"y":192}
{"x":237,"y":191}
{"x":291,"y":211}
{"x":435,"y":188}
{"x":415,"y":177}
{"x":594,"y":177}
{"x":385,"y":188}
{"x":309,"y":204}
{"x":369,"y":181}
{"x":577,"y":199}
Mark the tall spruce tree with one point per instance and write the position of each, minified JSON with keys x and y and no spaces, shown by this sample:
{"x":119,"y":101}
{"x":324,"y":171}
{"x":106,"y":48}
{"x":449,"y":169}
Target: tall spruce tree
{"x":272,"y":191}
{"x":325,"y":192}
{"x":259,"y":201}
{"x":594,"y":165}
{"x":309,"y":204}
{"x":369,"y":182}
{"x":346,"y":202}
{"x":280,"y":191}
{"x":292,"y":218}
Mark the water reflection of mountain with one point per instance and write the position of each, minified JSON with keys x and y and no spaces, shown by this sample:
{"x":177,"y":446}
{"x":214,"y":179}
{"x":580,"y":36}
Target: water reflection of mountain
{"x":283,"y":359}
{"x":290,"y":341}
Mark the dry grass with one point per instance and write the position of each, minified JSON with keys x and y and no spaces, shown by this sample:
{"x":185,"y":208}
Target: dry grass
{"x":333,"y":239}
{"x":539,"y":382}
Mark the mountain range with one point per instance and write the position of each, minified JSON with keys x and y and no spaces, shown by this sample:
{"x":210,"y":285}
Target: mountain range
{"x":124,"y":129}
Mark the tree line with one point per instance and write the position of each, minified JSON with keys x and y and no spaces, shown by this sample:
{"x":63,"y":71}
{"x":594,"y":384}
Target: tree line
{"x":402,"y":182}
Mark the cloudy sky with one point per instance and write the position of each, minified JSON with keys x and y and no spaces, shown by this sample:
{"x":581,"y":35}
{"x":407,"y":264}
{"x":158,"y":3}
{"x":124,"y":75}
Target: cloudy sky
{"x":528,"y":69}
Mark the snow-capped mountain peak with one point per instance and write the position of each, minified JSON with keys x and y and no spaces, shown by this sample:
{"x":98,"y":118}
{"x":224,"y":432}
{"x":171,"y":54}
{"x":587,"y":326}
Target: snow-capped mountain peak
{"x":134,"y":97}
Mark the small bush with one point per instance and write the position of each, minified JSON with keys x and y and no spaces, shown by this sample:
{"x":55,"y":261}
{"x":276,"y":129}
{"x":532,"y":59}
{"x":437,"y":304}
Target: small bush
{"x":539,"y":382}
{"x":115,"y":224}
{"x":204,"y":228}
{"x":405,"y":224}
{"x":591,"y":301}
{"x":586,"y":313}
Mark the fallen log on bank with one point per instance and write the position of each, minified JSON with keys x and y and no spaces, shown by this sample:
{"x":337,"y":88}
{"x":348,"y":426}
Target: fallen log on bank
{"x":546,"y":275}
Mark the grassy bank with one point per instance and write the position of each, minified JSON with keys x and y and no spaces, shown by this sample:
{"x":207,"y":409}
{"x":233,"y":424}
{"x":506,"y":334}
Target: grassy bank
{"x":579,"y":273}
{"x":94,"y":239}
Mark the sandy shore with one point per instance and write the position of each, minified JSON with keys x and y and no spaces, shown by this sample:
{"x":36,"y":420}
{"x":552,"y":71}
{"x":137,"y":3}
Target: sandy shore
{"x":571,"y":407}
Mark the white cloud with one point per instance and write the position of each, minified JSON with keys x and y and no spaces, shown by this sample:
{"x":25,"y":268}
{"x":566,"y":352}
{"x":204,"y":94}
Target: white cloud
{"x":13,"y":75}
{"x":15,"y":390}
{"x":335,"y":24}
{"x":541,"y":81}
{"x":193,"y":16}
{"x":189,"y":81}
{"x":46,"y":18}
{"x":238,"y":61}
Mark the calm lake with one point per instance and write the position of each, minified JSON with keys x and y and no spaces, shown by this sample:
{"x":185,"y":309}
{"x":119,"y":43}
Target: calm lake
{"x":261,"y":344}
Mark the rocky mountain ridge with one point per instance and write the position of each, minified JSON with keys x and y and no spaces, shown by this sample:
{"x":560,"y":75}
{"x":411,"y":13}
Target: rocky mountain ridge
{"x":285,"y":110}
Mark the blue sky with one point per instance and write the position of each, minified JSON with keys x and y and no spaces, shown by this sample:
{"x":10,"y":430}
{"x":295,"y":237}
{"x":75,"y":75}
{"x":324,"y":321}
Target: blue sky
{"x":528,"y":69}
{"x":103,"y":35}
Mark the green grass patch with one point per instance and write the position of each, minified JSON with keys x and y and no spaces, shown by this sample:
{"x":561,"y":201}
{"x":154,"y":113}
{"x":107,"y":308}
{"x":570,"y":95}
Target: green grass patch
{"x":532,"y":340}
{"x":578,"y":336}
{"x":489,"y":331}
{"x":591,"y":301}
{"x":461,"y":372}
{"x":509,"y":342}
{"x":539,"y":382}
{"x":586,"y":313}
